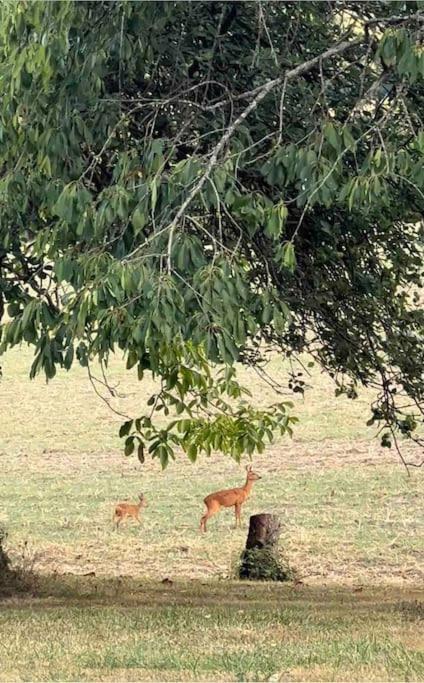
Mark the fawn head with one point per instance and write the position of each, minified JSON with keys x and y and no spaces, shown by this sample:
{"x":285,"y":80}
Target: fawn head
{"x":251,"y":476}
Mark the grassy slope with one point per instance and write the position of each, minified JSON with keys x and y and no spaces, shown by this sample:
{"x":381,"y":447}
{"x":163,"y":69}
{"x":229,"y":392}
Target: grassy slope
{"x":350,"y":517}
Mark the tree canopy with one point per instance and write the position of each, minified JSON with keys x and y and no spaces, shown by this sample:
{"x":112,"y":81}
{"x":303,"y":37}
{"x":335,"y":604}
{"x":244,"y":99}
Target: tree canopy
{"x":195,"y":183}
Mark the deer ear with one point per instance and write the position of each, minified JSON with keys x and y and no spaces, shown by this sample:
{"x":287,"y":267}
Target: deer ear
{"x":248,"y":468}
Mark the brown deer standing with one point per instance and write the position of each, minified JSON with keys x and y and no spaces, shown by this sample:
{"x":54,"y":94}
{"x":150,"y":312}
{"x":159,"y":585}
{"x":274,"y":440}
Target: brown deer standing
{"x":229,"y":497}
{"x":123,"y":510}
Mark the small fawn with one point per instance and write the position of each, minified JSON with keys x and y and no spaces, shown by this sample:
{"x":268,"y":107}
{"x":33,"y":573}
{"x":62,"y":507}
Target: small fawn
{"x":123,"y":510}
{"x":229,"y":497}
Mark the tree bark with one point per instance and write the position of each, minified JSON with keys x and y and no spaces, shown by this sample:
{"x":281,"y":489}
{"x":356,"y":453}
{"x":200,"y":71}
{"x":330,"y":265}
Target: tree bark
{"x":260,"y":560}
{"x":4,"y":564}
{"x":264,"y":530}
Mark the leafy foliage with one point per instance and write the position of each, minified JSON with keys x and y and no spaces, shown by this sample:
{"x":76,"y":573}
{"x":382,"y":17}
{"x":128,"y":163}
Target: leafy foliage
{"x":193,"y":183}
{"x":264,"y":564}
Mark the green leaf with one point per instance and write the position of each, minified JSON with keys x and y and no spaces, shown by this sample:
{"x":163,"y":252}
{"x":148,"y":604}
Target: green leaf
{"x":64,"y":207}
{"x":163,"y":455}
{"x":69,"y":357}
{"x":153,"y":193}
{"x":275,"y":222}
{"x":348,"y":139}
{"x":192,"y":453}
{"x":13,"y":310}
{"x":140,"y":453}
{"x":267,"y":313}
{"x":125,"y":428}
{"x":64,"y":269}
{"x":289,"y":257}
{"x":220,"y":177}
{"x":331,"y":134}
{"x":129,"y":445}
{"x":132,"y":359}
{"x":138,"y":220}
{"x":29,"y":312}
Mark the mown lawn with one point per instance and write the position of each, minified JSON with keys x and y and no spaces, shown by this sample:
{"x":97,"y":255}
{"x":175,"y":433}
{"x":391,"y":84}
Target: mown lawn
{"x":352,"y":529}
{"x":88,"y":629}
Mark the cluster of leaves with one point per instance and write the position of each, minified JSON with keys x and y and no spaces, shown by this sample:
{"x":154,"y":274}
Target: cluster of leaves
{"x":264,"y":564}
{"x":172,"y":189}
{"x":211,"y":421}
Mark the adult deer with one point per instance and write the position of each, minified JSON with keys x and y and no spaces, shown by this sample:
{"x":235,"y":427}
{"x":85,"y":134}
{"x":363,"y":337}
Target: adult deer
{"x":229,"y":497}
{"x":123,"y":510}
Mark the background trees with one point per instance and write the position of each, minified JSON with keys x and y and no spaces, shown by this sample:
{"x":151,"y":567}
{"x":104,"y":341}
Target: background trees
{"x":197,"y":183}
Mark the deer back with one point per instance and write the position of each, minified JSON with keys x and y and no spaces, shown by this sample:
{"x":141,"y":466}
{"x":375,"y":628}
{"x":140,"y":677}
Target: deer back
{"x":227,"y":497}
{"x":127,"y":509}
{"x":130,"y":509}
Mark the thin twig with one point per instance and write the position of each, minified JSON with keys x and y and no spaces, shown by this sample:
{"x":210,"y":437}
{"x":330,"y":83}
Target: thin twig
{"x":104,"y":399}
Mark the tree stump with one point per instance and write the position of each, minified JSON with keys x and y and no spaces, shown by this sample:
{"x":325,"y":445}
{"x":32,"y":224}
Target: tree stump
{"x":5,"y":572}
{"x":260,"y":560}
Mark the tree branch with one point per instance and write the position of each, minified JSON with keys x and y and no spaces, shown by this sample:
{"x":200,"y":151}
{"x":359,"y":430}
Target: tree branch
{"x":262,"y":92}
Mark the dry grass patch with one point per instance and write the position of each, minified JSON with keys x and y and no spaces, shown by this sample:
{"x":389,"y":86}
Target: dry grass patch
{"x":361,"y":523}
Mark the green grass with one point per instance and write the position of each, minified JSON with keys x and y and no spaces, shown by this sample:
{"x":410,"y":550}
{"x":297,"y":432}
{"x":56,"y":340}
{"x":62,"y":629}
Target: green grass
{"x":362,"y":528}
{"x":140,"y":631}
{"x":350,"y":519}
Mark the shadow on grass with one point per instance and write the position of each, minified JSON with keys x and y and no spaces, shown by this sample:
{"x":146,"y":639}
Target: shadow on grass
{"x":72,"y":591}
{"x":98,"y":628}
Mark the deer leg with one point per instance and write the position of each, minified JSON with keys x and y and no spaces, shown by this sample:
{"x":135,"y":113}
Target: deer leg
{"x":237,"y":509}
{"x":203,"y":522}
{"x":210,"y":512}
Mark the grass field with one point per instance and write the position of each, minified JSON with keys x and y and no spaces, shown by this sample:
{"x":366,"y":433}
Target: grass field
{"x":352,"y":529}
{"x":95,"y":630}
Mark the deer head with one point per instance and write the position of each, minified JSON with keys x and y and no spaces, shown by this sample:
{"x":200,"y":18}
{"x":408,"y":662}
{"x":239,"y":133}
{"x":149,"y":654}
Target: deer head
{"x":251,"y":476}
